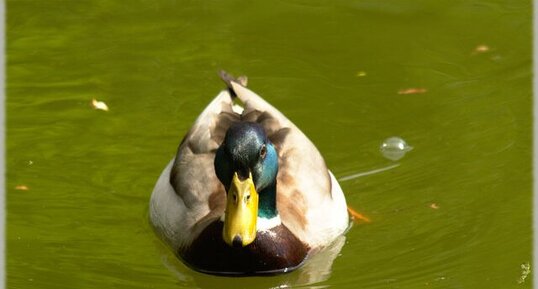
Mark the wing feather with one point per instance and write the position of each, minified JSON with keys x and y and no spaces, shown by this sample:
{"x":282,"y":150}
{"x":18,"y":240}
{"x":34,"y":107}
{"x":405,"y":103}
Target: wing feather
{"x":188,"y":196}
{"x":304,"y":186}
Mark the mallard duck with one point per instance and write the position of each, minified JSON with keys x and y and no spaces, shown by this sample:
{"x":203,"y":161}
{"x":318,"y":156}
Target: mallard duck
{"x":247,"y":192}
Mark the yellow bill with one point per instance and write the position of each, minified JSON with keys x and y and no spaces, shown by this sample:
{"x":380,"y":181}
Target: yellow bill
{"x":241,"y":212}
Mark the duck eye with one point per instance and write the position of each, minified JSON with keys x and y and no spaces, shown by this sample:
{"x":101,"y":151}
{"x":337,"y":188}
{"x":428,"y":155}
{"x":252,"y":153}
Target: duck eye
{"x":263,"y":152}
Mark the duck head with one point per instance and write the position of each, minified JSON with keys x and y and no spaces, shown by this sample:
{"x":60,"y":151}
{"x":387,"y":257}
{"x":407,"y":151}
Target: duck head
{"x":246,"y":163}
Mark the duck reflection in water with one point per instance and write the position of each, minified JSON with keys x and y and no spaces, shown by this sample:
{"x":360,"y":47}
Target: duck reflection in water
{"x":315,"y":270}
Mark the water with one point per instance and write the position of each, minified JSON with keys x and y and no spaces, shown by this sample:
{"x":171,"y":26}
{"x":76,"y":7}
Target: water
{"x":452,"y":78}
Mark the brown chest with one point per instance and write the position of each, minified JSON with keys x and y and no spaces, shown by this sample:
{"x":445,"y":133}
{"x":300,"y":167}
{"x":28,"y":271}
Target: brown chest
{"x":273,"y":251}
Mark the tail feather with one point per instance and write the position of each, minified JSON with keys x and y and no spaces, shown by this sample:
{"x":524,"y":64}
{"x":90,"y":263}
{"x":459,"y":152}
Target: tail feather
{"x":228,"y":79}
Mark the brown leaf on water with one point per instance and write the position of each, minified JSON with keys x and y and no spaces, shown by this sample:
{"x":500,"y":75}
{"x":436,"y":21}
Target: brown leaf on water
{"x":482,"y":48}
{"x":412,"y":90}
{"x":21,"y":188}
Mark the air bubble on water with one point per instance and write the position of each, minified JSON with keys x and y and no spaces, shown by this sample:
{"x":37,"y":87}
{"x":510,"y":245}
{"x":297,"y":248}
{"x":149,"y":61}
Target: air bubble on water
{"x":394,"y":148}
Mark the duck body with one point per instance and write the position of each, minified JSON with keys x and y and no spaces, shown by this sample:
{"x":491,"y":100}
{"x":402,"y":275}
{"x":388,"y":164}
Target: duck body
{"x":247,"y":192}
{"x":273,"y":251}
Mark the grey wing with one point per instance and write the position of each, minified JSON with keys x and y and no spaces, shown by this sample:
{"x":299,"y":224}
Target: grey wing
{"x":193,"y":166}
{"x":304,"y":184}
{"x":189,"y":195}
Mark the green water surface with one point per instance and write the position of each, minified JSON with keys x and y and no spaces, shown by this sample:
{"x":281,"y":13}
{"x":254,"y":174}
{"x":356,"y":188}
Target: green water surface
{"x":455,"y":213}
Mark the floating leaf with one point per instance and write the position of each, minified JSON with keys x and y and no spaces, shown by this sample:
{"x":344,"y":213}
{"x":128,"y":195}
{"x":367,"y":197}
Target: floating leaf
{"x":99,"y":105}
{"x":412,"y":90}
{"x":481,"y":48}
